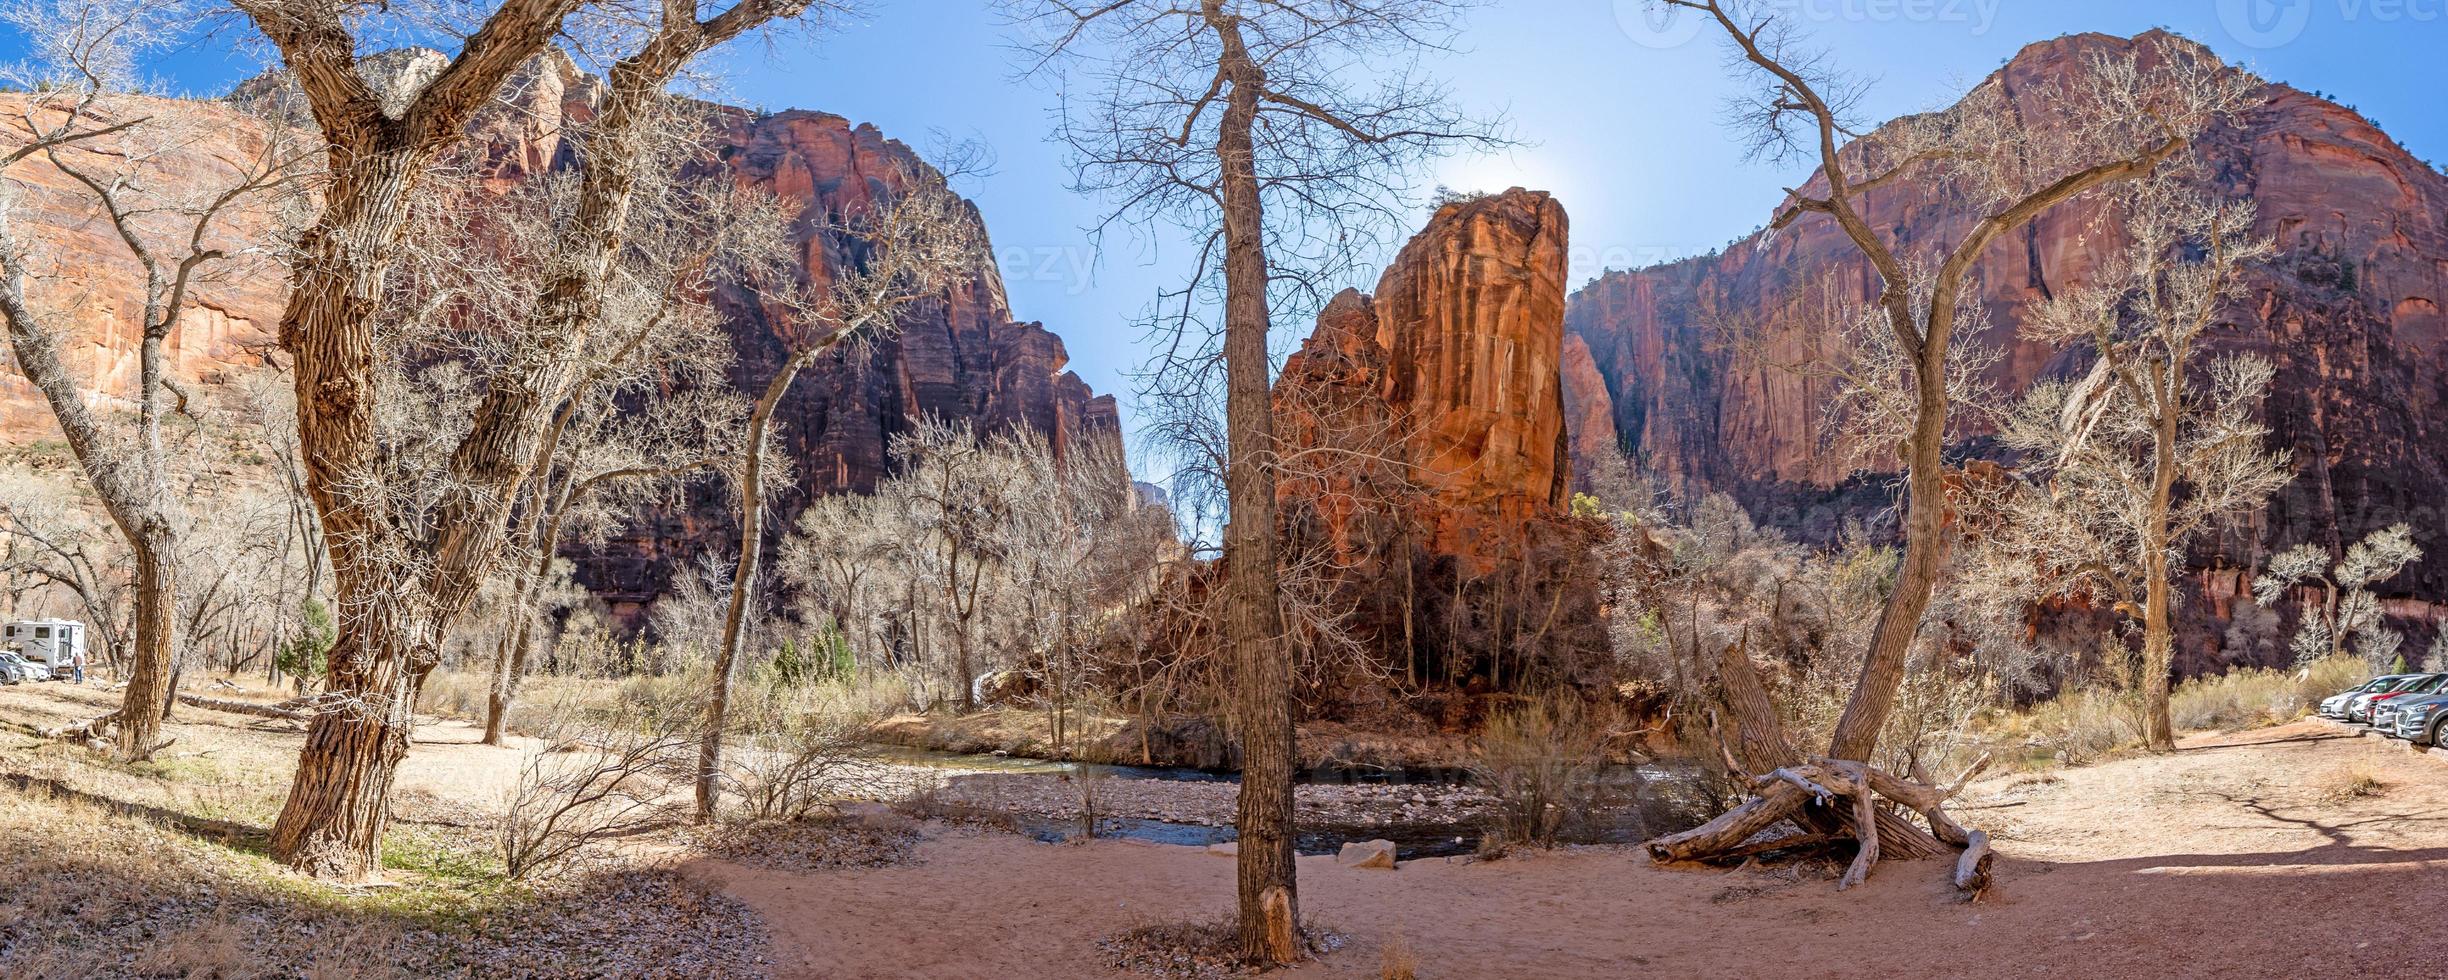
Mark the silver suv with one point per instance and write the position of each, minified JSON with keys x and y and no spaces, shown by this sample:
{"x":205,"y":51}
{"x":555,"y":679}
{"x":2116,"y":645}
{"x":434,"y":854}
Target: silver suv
{"x":19,"y":670}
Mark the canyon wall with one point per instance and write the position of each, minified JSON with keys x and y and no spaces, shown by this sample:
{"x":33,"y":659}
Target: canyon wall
{"x":961,"y":355}
{"x":2349,"y":312}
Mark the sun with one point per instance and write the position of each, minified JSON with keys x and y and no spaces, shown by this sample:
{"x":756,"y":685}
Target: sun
{"x":1493,"y":172}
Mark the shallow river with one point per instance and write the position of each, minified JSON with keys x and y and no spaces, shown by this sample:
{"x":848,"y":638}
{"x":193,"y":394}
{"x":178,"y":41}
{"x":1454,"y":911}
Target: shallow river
{"x":1426,"y":813}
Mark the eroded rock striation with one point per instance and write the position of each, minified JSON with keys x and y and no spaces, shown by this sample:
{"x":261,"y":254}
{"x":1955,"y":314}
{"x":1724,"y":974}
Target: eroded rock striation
{"x":2349,"y":312}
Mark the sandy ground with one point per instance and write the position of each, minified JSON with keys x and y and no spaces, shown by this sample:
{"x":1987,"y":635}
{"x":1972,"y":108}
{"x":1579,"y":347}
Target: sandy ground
{"x":2230,"y":858}
{"x":2235,"y":857}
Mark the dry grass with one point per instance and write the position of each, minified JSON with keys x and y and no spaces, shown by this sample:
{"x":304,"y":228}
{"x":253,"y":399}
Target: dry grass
{"x":2358,"y":779}
{"x":2101,"y":723}
{"x":2255,"y":698}
{"x":158,"y":870}
{"x":1396,"y":960}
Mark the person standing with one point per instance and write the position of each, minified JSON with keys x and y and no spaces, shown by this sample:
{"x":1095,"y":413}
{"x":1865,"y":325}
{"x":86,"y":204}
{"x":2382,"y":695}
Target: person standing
{"x":76,"y":662}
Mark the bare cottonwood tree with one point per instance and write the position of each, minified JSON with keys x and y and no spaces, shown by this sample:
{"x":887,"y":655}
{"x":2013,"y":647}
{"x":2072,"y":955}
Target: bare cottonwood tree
{"x":400,"y":578}
{"x":2157,"y":443}
{"x":910,"y":249}
{"x":2118,"y":117}
{"x":1246,"y":122}
{"x":2347,"y":607}
{"x":1078,"y":547}
{"x":837,"y":562}
{"x":651,"y":409}
{"x":53,"y":542}
{"x":957,"y":493}
{"x":82,"y":122}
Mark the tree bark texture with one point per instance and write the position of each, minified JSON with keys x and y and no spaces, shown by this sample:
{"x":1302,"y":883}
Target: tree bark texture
{"x":1269,"y":897}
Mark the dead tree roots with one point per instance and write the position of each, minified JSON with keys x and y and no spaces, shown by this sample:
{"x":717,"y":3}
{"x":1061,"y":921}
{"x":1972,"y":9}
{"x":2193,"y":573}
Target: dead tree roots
{"x":1828,"y":800}
{"x":1832,"y":800}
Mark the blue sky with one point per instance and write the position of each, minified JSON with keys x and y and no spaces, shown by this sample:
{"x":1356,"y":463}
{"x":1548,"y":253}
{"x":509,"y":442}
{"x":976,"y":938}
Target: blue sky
{"x":1619,"y":121}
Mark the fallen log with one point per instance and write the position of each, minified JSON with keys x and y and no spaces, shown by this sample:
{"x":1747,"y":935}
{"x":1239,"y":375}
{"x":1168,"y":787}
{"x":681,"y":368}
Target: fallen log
{"x":1836,"y":799}
{"x":1822,"y":798}
{"x":294,"y":709}
{"x":1790,"y":842}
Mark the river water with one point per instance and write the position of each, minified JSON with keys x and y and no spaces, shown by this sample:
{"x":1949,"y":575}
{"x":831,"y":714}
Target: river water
{"x":1425,"y":812}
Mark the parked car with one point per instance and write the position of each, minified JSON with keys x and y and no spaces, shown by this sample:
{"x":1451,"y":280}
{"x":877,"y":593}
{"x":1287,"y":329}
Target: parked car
{"x":2417,"y":719}
{"x":2380,"y":684}
{"x":2359,"y":708}
{"x":11,"y":675}
{"x":2334,"y":706}
{"x":25,"y":669}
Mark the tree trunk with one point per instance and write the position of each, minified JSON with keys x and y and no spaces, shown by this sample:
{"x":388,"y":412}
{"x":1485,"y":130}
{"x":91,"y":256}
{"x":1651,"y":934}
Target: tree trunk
{"x":1759,"y":744}
{"x":743,"y":577}
{"x":2158,"y":650}
{"x":2158,"y":637}
{"x":509,"y":663}
{"x":1899,"y":622}
{"x":332,"y":823}
{"x":1269,"y":896}
{"x":137,"y":725}
{"x":339,"y":804}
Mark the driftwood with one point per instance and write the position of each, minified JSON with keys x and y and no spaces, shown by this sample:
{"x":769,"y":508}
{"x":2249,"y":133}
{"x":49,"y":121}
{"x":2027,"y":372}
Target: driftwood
{"x":1831,"y":798}
{"x":1972,"y":868}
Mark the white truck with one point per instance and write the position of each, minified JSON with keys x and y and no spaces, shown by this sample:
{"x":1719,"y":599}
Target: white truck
{"x":54,"y":643}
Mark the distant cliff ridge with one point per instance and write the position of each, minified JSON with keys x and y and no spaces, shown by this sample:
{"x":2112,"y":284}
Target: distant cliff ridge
{"x":2349,"y":312}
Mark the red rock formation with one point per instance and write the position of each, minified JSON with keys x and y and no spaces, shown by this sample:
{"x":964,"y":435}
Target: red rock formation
{"x":1428,"y":459}
{"x":2350,"y":314}
{"x":959,"y":356}
{"x":83,"y":270}
{"x":1589,"y":414}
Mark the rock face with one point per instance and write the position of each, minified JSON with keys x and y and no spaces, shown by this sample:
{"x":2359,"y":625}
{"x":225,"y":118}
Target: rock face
{"x":82,"y":269}
{"x":2349,"y":313}
{"x":959,"y":356}
{"x":1430,"y":465}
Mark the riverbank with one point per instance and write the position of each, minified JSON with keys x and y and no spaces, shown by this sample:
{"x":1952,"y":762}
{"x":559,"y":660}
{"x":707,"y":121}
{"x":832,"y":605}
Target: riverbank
{"x":2284,"y":852}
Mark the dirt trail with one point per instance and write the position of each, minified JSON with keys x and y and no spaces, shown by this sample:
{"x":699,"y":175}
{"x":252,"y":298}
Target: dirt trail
{"x":2230,"y":858}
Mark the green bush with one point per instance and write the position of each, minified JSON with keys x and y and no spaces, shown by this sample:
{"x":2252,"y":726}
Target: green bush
{"x":308,"y":654}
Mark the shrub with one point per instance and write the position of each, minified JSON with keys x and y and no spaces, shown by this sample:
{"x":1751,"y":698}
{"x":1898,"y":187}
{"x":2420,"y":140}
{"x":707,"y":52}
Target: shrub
{"x":1542,"y":761}
{"x":2085,"y":725}
{"x":1396,"y":961}
{"x":2252,"y":697}
{"x":585,"y":784}
{"x":2354,"y":780}
{"x":795,"y":751}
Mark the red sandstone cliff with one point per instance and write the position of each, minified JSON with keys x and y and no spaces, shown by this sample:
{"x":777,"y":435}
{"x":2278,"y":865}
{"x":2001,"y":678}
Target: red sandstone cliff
{"x":958,"y":356}
{"x":83,"y":270}
{"x":1429,"y":464}
{"x":2350,"y":314}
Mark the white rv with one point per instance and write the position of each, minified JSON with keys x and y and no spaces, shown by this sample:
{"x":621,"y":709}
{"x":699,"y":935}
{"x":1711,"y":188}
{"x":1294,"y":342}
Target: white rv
{"x":53,"y":643}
